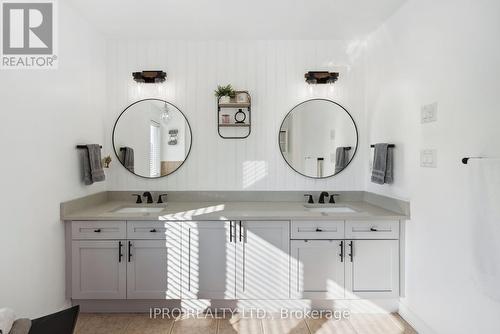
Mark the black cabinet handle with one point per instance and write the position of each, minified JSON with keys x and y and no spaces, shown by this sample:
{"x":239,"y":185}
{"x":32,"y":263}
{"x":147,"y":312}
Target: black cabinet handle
{"x":230,"y":231}
{"x":129,"y":250}
{"x":342,"y":251}
{"x":318,"y":229}
{"x":350,"y":250}
{"x":97,"y":230}
{"x":120,"y":254}
{"x":373,"y":229}
{"x":240,"y":230}
{"x":153,"y":231}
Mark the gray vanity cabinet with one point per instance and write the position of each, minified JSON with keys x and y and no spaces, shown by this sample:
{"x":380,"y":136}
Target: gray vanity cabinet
{"x":99,"y":269}
{"x":236,"y":260}
{"x":141,"y":260}
{"x":317,"y":269}
{"x":262,"y":260}
{"x":373,"y":269}
{"x":351,"y":259}
{"x":372,"y":259}
{"x":150,"y":273}
{"x":208,"y":253}
{"x":153,"y":260}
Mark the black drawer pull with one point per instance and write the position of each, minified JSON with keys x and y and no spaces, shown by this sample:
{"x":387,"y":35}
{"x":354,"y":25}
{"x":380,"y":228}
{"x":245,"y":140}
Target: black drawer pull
{"x":97,"y":230}
{"x":373,"y":229}
{"x":153,"y":231}
{"x":319,"y":230}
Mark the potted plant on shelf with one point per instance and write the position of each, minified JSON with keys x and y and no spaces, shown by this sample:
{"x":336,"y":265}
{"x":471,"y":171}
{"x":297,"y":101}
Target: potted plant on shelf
{"x":224,"y":93}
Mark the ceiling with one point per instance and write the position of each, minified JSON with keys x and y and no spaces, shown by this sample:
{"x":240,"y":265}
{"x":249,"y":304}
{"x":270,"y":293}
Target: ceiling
{"x":236,"y":19}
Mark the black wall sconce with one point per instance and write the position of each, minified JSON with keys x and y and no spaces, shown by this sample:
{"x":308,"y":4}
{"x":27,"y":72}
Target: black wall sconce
{"x":150,"y":76}
{"x":321,"y":77}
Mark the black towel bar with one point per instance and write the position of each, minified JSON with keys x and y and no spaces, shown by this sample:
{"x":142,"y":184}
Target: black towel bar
{"x":390,"y":146}
{"x":84,"y":146}
{"x":465,"y":160}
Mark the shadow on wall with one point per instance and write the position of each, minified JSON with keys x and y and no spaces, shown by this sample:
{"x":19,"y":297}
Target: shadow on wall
{"x":253,"y":172}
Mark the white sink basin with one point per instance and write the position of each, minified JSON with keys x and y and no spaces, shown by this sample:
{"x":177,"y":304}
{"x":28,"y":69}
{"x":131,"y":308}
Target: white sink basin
{"x":331,"y":209}
{"x":139,"y":209}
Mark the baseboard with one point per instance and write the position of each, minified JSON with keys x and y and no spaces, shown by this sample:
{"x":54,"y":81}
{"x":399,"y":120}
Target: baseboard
{"x":416,"y":322}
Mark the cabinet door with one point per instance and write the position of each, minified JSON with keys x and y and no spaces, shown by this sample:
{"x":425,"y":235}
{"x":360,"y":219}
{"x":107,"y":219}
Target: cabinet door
{"x":317,"y":269}
{"x":153,"y":269}
{"x":372,"y":268}
{"x":98,"y":269}
{"x":262,"y":261}
{"x":208,"y":260}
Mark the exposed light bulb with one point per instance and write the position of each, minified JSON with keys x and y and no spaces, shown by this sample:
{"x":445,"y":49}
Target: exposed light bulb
{"x":165,"y":115}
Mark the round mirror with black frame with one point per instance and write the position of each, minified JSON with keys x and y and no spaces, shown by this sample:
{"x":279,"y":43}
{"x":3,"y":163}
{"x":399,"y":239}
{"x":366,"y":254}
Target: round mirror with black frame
{"x":318,"y":138}
{"x":152,"y":138}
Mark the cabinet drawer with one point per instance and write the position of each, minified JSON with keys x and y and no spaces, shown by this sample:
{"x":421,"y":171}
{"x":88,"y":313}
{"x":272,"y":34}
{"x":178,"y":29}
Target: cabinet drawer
{"x":379,"y":229}
{"x":154,"y":230}
{"x":318,"y":229}
{"x":81,"y":230}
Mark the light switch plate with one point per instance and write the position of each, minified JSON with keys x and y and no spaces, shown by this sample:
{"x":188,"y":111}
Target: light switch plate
{"x":428,"y":158}
{"x":429,"y":113}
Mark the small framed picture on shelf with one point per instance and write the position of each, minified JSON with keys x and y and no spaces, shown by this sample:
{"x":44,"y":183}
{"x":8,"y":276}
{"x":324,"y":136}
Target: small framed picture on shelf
{"x":242,"y":98}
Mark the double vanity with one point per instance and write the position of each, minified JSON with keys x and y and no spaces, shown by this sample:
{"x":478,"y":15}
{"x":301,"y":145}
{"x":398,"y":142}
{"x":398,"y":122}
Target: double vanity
{"x":232,"y":247}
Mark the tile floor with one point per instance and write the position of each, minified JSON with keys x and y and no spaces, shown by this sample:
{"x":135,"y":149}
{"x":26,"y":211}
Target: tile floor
{"x":142,"y":324}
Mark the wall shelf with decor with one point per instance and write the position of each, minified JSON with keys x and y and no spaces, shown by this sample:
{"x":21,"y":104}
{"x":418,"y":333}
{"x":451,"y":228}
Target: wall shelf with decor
{"x":237,"y":114}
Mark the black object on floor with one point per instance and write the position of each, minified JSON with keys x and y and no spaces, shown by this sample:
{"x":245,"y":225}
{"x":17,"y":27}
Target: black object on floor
{"x":62,"y":322}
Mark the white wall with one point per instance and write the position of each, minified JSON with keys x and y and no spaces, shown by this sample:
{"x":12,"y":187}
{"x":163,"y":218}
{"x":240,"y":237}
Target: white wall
{"x":44,"y":114}
{"x":446,"y":52}
{"x":272,"y":71}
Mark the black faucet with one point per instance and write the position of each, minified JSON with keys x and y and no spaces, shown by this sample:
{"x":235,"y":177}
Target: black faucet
{"x":310,"y":198}
{"x":332,"y":198}
{"x":139,"y":199}
{"x":149,"y":197}
{"x":322,"y":197}
{"x":160,"y":200}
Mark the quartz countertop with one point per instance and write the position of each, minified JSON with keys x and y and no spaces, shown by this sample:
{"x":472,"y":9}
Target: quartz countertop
{"x":206,"y":211}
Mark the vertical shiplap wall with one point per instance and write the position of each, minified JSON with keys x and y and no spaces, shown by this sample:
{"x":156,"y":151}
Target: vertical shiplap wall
{"x":273,"y":73}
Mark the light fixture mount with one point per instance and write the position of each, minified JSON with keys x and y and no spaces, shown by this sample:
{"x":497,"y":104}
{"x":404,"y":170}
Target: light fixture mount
{"x":150,"y":76}
{"x":321,"y":77}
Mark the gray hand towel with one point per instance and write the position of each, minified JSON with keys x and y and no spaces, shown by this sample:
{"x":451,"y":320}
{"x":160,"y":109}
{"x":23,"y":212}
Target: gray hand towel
{"x":21,"y":326}
{"x":86,"y":171}
{"x":128,"y":158}
{"x":341,"y":158}
{"x":382,"y":164}
{"x":95,"y":163}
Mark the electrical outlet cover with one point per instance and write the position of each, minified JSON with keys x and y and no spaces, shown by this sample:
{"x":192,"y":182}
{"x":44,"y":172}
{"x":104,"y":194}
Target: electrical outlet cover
{"x":429,"y":113}
{"x":428,"y":158}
